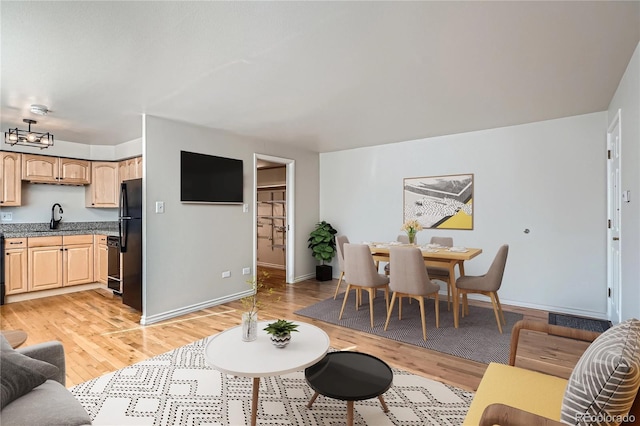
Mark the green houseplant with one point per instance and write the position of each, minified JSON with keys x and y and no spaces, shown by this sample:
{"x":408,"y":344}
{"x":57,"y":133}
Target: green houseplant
{"x":280,"y":332}
{"x":322,"y":242}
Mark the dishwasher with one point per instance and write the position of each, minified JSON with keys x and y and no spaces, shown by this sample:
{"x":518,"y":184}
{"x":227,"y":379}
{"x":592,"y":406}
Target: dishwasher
{"x":114,"y":280}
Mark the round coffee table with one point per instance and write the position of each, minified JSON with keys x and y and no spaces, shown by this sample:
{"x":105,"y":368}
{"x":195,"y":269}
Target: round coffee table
{"x":228,"y":353}
{"x":349,"y":376}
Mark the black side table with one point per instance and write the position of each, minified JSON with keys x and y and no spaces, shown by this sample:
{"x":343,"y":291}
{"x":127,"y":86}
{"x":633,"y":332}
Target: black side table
{"x":349,"y":376}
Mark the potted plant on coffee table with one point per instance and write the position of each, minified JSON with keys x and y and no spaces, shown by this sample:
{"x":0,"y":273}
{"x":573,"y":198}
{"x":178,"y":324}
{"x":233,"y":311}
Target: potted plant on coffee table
{"x":322,"y":242}
{"x":280,"y":332}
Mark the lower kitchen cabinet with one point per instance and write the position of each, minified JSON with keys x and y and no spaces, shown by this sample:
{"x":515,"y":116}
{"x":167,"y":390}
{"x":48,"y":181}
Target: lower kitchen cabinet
{"x":60,"y":261}
{"x":15,"y":266}
{"x":45,"y":266}
{"x":100,"y":259}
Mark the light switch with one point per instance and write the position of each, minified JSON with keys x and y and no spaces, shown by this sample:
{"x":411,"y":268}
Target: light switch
{"x":159,"y":206}
{"x":245,"y":208}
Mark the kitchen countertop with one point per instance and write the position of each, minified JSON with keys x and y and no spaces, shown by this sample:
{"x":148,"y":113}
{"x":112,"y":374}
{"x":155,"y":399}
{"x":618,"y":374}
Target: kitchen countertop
{"x":56,"y":232}
{"x":30,"y":230}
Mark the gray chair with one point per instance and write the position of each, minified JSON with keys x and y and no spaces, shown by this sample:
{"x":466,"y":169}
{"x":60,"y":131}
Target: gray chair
{"x":361,"y":274}
{"x":442,"y":274}
{"x":404,"y":239}
{"x":487,"y":284}
{"x":340,"y":242}
{"x":409,"y":278}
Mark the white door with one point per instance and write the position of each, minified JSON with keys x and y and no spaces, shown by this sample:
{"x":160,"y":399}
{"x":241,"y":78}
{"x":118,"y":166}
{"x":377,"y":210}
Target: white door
{"x":614,"y":196}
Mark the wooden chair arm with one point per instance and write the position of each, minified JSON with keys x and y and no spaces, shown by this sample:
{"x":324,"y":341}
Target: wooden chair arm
{"x":553,"y":330}
{"x":504,"y":415}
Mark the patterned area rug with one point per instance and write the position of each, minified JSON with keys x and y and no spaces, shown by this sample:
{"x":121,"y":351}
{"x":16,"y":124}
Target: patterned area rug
{"x":178,"y":388}
{"x":477,"y":338}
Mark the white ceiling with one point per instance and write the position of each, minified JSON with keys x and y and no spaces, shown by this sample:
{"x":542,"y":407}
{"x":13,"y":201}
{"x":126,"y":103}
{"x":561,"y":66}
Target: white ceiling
{"x":324,"y":75}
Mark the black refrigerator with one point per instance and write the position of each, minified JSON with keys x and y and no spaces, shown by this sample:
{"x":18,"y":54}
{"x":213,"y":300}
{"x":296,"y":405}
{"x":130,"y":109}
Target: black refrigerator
{"x":130,"y":225}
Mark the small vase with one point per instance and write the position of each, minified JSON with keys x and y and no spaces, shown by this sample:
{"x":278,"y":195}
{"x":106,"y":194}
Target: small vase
{"x":412,"y":237}
{"x":249,"y":326}
{"x":281,"y":341}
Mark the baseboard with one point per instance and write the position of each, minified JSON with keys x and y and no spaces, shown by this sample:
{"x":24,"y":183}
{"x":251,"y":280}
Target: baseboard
{"x":150,"y":319}
{"x":548,"y":308}
{"x":52,"y":292}
{"x":272,"y":265}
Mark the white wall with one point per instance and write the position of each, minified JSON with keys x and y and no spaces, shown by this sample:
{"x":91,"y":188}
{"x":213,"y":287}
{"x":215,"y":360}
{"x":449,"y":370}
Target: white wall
{"x":549,"y":177}
{"x":37,"y":199}
{"x":190,"y":245}
{"x":627,"y":98}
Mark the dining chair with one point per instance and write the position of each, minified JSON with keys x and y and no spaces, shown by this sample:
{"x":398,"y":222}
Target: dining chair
{"x":487,"y":284}
{"x":439,"y":273}
{"x":409,"y":278}
{"x":361,"y":274}
{"x":340,"y":241}
{"x":404,"y":239}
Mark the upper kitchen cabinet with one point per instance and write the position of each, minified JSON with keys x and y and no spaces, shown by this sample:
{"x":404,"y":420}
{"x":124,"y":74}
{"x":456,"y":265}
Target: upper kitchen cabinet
{"x":105,"y":184}
{"x":10,"y":175}
{"x":130,"y":169}
{"x":46,"y":169}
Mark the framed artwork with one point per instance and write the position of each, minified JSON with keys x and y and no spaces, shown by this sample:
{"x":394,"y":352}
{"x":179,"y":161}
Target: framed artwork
{"x":439,"y":202}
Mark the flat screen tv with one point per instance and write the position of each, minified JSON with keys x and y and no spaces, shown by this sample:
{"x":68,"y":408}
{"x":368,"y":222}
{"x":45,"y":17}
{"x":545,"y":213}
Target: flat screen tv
{"x":210,"y":179}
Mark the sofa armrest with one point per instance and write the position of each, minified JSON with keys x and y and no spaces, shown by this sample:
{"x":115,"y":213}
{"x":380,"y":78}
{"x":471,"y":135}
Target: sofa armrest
{"x":51,"y":352}
{"x":504,"y":415}
{"x":543,"y":327}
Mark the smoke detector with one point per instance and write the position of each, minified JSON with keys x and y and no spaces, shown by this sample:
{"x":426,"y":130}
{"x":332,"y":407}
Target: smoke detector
{"x":39,"y":109}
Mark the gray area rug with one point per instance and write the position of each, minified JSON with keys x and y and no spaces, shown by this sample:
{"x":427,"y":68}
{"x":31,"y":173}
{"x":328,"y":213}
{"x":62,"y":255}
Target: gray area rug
{"x":582,"y":323}
{"x":179,"y":388}
{"x":477,"y":338}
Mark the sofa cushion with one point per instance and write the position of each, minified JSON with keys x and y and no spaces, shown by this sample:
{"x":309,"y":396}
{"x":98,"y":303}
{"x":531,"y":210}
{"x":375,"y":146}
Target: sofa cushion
{"x":48,"y":404}
{"x":604,"y":382}
{"x":20,"y":373}
{"x":537,"y":393}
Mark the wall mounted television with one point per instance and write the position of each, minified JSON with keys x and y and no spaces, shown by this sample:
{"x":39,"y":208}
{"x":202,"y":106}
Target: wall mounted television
{"x":210,"y":179}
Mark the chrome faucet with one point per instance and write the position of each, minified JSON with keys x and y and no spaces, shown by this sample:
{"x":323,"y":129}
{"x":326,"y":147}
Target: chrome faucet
{"x":54,"y":223}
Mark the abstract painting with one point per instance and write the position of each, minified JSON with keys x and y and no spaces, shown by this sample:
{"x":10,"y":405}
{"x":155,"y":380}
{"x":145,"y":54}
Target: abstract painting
{"x":440,"y":202}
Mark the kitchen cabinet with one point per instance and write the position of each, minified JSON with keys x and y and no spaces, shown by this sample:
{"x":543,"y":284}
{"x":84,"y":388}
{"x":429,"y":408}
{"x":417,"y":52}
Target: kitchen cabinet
{"x":101,"y":258}
{"x":77,"y":258}
{"x":45,"y":263}
{"x":57,"y":261}
{"x":130,"y":169}
{"x":104,"y":190}
{"x":46,"y":169}
{"x":10,"y":179}
{"x":15,"y":265}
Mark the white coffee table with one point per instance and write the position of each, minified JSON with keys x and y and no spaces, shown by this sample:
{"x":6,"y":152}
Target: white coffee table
{"x":228,"y":353}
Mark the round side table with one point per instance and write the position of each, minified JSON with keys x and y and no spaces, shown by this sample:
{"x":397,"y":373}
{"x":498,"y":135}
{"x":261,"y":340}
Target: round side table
{"x":15,"y":337}
{"x":349,"y":376}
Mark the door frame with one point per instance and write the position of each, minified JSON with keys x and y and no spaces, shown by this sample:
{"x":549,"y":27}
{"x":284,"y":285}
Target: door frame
{"x":614,"y":204}
{"x":290,"y":197}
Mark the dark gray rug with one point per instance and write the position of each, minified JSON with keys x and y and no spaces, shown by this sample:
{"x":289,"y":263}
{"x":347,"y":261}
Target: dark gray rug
{"x":582,"y":323}
{"x":477,"y":337}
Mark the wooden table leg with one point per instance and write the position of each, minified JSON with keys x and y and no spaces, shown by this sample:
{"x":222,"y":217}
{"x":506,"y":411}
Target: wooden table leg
{"x":254,"y":401}
{"x":349,"y":413}
{"x":312,"y":400}
{"x":384,"y":404}
{"x":454,"y":291}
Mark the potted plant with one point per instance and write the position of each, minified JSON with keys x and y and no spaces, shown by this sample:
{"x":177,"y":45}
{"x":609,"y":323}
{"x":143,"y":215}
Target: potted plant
{"x":322,"y":242}
{"x":280,"y":332}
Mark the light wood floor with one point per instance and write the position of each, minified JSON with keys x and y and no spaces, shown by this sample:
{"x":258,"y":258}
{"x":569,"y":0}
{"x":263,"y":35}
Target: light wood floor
{"x":101,"y":335}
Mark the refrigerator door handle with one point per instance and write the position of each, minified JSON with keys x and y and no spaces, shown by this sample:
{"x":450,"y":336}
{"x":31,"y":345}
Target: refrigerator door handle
{"x":122,"y":220}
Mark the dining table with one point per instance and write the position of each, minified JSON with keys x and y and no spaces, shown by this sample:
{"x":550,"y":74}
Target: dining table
{"x":434,"y":256}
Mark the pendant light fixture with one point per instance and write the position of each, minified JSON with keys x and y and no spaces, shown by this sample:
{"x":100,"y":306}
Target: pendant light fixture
{"x":28,"y":137}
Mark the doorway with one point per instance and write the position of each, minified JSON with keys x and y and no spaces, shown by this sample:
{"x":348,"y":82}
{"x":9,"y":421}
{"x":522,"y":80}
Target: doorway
{"x":274,"y":213}
{"x":614,"y":200}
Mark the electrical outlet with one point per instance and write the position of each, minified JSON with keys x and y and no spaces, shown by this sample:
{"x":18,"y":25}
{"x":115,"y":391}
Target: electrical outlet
{"x":6,"y":217}
{"x":245,"y":208}
{"x":226,"y":274}
{"x":246,"y":271}
{"x":159,"y":206}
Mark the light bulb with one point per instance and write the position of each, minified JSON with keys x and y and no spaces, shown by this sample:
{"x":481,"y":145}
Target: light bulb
{"x":31,"y":137}
{"x":13,"y":137}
